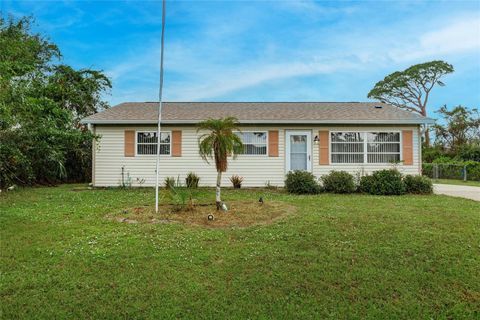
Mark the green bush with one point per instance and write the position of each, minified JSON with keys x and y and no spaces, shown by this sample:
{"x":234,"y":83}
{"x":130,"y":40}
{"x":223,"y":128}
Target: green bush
{"x":191,"y":181}
{"x":339,"y":182}
{"x":301,"y":182}
{"x":418,"y":184}
{"x":383,"y":182}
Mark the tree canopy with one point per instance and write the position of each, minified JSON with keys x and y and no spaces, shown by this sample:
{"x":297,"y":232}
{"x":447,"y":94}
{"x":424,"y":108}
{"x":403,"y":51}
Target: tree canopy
{"x":460,"y":126}
{"x":410,"y":89}
{"x":41,"y":103}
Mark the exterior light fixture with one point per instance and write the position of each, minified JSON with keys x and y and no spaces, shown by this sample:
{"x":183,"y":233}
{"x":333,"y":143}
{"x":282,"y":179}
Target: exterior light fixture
{"x":315,"y":140}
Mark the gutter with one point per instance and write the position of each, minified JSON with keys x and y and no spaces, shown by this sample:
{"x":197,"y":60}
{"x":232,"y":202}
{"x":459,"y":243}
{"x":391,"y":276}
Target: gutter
{"x":406,"y":121}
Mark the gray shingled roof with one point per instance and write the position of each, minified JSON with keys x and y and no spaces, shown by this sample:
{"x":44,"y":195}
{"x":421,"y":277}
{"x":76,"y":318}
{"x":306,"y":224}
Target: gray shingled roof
{"x":258,"y":112}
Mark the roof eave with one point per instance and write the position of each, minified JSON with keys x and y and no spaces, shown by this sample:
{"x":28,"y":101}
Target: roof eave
{"x":402,"y":121}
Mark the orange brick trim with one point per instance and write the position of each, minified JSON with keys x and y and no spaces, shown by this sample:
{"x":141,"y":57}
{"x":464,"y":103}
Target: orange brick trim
{"x":407,"y":146}
{"x":323,"y":147}
{"x":176,"y":143}
{"x":129,"y":143}
{"x":273,"y":143}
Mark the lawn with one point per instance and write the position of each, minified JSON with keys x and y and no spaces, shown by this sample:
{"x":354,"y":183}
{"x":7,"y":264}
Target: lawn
{"x":335,"y":256}
{"x":457,"y":182}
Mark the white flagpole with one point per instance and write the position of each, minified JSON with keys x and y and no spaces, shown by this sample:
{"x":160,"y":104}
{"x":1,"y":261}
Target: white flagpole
{"x":159,"y":108}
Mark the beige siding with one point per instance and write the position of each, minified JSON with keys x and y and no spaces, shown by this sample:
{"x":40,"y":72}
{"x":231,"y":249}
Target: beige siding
{"x":257,"y":170}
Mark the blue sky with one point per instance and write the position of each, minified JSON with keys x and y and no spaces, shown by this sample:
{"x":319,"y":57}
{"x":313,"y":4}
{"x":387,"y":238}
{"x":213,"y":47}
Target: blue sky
{"x":264,"y":50}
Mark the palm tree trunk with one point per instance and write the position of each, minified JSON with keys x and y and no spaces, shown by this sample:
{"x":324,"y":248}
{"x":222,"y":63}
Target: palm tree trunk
{"x":218,"y":199}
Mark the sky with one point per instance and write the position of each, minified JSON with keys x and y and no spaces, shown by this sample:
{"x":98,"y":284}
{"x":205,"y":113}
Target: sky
{"x":263,"y":50}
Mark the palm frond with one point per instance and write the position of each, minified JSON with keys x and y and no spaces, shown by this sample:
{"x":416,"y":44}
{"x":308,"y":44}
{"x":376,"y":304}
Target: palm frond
{"x":220,"y":141}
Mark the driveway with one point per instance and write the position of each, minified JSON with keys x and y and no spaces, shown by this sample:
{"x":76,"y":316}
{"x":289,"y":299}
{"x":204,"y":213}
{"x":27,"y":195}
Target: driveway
{"x":467,"y":192}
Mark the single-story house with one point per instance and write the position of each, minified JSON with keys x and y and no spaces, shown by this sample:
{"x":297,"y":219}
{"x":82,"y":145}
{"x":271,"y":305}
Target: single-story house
{"x":358,"y":137}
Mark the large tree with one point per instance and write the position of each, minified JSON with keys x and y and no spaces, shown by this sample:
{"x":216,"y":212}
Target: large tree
{"x":410,"y":89}
{"x":41,"y":101}
{"x":460,"y":127}
{"x":219,"y":141}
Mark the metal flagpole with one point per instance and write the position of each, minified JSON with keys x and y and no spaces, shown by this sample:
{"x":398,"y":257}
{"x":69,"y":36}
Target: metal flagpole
{"x":159,"y":107}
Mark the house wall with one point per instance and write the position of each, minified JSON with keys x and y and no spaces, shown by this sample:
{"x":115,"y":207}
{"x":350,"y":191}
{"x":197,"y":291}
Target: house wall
{"x":257,"y":170}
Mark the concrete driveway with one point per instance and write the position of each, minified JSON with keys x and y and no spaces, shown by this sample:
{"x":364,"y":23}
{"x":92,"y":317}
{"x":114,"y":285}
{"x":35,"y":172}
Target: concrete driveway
{"x":467,"y":192}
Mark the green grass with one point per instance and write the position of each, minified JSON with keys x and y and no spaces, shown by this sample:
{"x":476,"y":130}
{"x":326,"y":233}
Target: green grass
{"x":457,"y":182}
{"x":339,"y":256}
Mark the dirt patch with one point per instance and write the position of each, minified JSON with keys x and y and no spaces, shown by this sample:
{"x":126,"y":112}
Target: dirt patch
{"x":240,"y":214}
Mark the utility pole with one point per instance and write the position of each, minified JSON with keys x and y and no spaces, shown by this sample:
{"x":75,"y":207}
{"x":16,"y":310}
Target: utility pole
{"x":157,"y":167}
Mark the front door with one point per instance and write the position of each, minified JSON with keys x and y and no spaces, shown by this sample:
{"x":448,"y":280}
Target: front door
{"x":299,"y":150}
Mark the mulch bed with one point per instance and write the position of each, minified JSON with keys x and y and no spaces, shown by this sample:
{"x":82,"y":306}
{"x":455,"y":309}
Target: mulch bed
{"x":240,"y":214}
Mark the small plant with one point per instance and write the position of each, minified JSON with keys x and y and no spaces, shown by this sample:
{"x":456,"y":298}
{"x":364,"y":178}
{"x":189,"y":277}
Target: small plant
{"x":383,"y":182}
{"x":339,"y":182}
{"x":140,"y":181}
{"x":126,"y":181}
{"x":418,"y":184}
{"x":169,"y":182}
{"x":192,"y":180}
{"x":236,"y":181}
{"x":302,"y":182}
{"x":180,"y":195}
{"x":270,"y":186}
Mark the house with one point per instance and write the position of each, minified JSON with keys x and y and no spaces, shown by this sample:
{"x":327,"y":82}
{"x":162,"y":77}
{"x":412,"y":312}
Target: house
{"x":358,"y":137}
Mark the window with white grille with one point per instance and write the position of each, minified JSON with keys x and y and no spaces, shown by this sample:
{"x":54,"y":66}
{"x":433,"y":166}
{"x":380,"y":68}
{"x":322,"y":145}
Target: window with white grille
{"x":254,"y":142}
{"x":365,"y":147}
{"x":383,"y":147}
{"x":147,"y":142}
{"x":347,"y":147}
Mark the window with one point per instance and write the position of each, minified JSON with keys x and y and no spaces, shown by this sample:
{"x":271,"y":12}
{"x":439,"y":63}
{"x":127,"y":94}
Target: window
{"x":347,"y":147}
{"x":383,"y":147}
{"x":365,"y":147}
{"x":254,"y":143}
{"x":147,"y":143}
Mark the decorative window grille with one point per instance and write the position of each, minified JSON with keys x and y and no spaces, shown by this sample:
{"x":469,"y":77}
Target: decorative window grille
{"x":383,"y":147}
{"x":365,"y":147}
{"x":254,"y":143}
{"x":147,"y":143}
{"x":347,"y":147}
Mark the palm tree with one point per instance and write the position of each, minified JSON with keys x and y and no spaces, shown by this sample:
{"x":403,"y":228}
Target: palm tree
{"x":218,"y":143}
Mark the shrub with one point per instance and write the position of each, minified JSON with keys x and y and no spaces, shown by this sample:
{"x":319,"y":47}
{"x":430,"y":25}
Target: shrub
{"x":418,"y":184}
{"x":301,"y":182}
{"x":383,"y":182}
{"x":191,"y":181}
{"x":236,"y":181}
{"x":170,"y":182}
{"x":338,"y":182}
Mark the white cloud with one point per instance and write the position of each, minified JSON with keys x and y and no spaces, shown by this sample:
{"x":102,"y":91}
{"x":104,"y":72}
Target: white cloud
{"x":215,"y":64}
{"x":462,"y":35}
{"x":247,"y":76}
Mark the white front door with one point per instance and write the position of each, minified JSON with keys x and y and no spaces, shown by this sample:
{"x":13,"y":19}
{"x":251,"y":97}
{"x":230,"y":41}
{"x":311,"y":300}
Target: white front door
{"x":298,"y":150}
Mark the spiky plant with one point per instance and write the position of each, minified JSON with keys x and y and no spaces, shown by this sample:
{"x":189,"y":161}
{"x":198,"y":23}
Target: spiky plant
{"x":219,"y":142}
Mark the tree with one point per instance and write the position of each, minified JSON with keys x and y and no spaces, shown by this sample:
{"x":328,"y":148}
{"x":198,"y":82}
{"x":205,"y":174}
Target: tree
{"x":410,"y":89}
{"x":217,"y":144}
{"x":77,"y":90}
{"x":41,"y":102}
{"x":461,"y":127}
